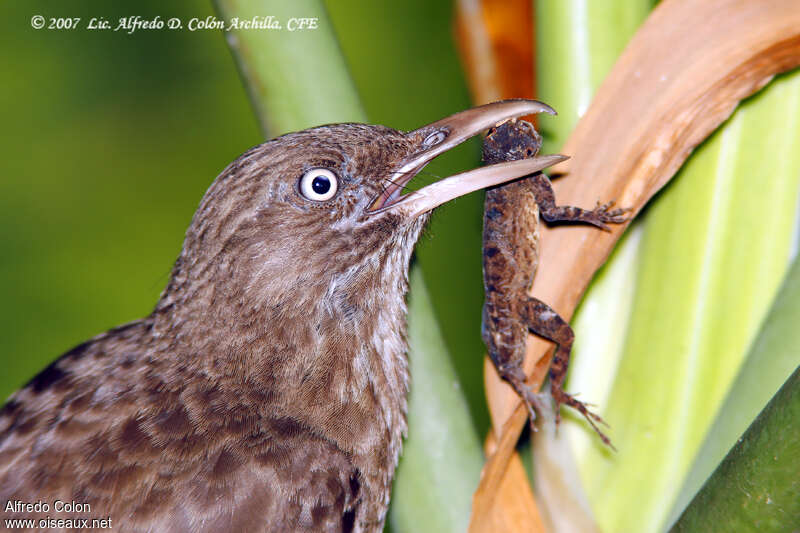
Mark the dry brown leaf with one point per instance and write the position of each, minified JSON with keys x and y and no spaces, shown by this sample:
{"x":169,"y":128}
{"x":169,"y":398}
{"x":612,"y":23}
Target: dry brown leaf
{"x":516,"y":513}
{"x":495,"y":40}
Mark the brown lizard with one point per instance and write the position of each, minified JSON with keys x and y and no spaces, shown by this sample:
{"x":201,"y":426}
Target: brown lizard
{"x":510,"y":259}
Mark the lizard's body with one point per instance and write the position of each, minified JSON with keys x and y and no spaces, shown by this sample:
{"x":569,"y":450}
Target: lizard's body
{"x":510,"y":259}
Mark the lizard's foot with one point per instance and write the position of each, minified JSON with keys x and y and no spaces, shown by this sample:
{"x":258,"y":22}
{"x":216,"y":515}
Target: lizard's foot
{"x":530,"y":398}
{"x":564,"y":398}
{"x":604,"y":213}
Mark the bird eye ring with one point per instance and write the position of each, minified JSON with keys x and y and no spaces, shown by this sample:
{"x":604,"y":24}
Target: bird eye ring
{"x":319,"y":184}
{"x":434,"y":138}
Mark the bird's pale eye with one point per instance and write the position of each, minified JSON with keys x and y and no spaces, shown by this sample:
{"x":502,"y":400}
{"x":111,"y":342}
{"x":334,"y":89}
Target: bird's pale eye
{"x":319,"y":184}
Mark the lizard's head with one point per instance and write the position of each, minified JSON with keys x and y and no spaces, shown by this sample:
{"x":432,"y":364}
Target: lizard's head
{"x":511,"y":141}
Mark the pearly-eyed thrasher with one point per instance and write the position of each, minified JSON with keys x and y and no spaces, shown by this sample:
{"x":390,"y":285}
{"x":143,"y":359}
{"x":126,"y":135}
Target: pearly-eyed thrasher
{"x":267,"y":389}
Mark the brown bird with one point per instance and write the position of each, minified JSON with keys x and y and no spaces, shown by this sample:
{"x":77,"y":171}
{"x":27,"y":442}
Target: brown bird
{"x":267,"y":389}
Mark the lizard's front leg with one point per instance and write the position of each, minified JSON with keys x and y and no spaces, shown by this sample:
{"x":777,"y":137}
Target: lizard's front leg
{"x":542,"y":190}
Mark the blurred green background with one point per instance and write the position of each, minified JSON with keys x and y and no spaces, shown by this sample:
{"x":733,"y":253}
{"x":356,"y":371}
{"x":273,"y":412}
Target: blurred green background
{"x":112,"y":139}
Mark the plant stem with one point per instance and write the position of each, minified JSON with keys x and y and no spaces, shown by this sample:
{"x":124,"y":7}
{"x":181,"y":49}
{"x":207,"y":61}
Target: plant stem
{"x":295,"y":79}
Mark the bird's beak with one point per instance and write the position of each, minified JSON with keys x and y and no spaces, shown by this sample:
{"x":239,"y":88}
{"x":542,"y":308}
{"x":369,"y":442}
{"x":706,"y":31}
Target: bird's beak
{"x":442,"y":135}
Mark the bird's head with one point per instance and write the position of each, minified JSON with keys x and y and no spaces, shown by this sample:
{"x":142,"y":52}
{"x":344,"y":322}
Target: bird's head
{"x":313,"y":208}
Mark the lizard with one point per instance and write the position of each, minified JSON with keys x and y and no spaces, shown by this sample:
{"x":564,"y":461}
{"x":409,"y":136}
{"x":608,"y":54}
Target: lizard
{"x":510,"y":259}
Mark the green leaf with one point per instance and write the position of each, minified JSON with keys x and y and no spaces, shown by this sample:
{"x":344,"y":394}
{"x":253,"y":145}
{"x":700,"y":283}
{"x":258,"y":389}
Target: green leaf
{"x":756,"y":487}
{"x":442,"y":458}
{"x":773,"y":357}
{"x":706,"y":276}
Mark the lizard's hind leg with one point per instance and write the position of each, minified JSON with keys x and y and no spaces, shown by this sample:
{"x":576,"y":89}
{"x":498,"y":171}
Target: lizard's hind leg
{"x":542,"y":320}
{"x":504,"y":336}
